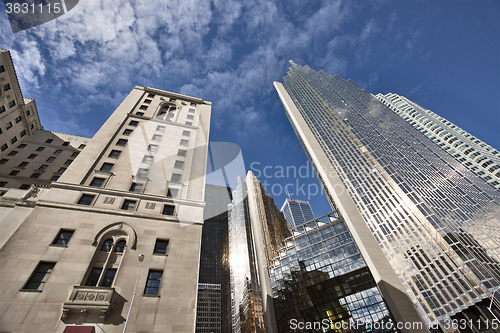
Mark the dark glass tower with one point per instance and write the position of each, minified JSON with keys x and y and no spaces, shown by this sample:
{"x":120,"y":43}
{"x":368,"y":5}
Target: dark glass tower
{"x":437,"y":222}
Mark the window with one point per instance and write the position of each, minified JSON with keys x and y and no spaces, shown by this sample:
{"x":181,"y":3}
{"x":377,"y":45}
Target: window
{"x":86,"y":199}
{"x":43,"y":167}
{"x":94,"y":277}
{"x":68,"y":162}
{"x":82,"y":146}
{"x":147,"y":101}
{"x":190,"y":117}
{"x":106,"y":167}
{"x":176,"y":178}
{"x":23,"y":164}
{"x":49,"y":141}
{"x":114,"y":153}
{"x":13,"y":153}
{"x":189,"y":123}
{"x":21,"y":146}
{"x":97,"y":182}
{"x":151,"y":96}
{"x":109,"y":277}
{"x":24,"y":186}
{"x":22,"y":133}
{"x":121,"y":142}
{"x":32,"y":126}
{"x":40,"y":276}
{"x":61,"y":170}
{"x":160,"y":128}
{"x":2,"y":184}
{"x":107,"y":245}
{"x":172,"y":192}
{"x":143,"y":107}
{"x":184,"y":142}
{"x":32,"y":156}
{"x":120,"y":246}
{"x":153,"y":283}
{"x":191,"y":110}
{"x":143,"y":173}
{"x":65,"y":143}
{"x":136,"y":187}
{"x":8,"y":125}
{"x":55,"y":178}
{"x":12,"y":103}
{"x":3,"y":161}
{"x":168,"y":210}
{"x":57,"y":152}
{"x":40,"y":148}
{"x":148,"y":159}
{"x":129,"y":205}
{"x":6,"y":87}
{"x":156,"y":137}
{"x":4,"y":146}
{"x":2,"y":109}
{"x":2,"y":69}
{"x":13,"y":173}
{"x":17,"y":119}
{"x":75,"y":154}
{"x":35,"y":175}
{"x":161,"y":246}
{"x":50,"y":159}
{"x":186,"y":133}
{"x":13,"y":140}
{"x":28,"y":113}
{"x":179,"y":165}
{"x":127,"y":132}
{"x":140,"y":113}
{"x":133,"y":123}
{"x":181,"y":152}
{"x":153,"y":148}
{"x":63,"y":237}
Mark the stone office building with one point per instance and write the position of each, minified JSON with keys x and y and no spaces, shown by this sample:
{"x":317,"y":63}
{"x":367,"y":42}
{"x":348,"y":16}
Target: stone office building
{"x":113,"y":244}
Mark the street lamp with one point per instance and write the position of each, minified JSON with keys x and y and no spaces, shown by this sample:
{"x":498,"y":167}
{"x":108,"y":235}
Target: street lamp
{"x":141,"y":259}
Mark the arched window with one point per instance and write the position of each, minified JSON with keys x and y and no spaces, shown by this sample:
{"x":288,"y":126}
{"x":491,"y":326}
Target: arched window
{"x":106,"y":246}
{"x":120,"y":246}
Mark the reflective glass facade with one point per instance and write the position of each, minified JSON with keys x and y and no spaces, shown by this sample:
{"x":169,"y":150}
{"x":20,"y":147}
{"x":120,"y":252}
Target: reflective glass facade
{"x":321,"y":277}
{"x":297,"y":211}
{"x":436,"y":221}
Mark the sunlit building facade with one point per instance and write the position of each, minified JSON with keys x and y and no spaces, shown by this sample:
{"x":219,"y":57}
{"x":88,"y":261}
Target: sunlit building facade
{"x":437,"y":222}
{"x":297,"y":211}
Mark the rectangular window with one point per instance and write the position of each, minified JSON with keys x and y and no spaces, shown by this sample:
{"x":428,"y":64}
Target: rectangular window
{"x":40,"y":148}
{"x":106,"y":167}
{"x":68,"y":162}
{"x":168,"y":210}
{"x":153,"y":283}
{"x":21,"y":146}
{"x":2,"y":69}
{"x":17,"y":119}
{"x":8,"y":125}
{"x":86,"y":199}
{"x":4,"y":146}
{"x":94,"y":277}
{"x":143,"y":107}
{"x":136,"y":187}
{"x":12,"y":103}
{"x":129,"y":205}
{"x":2,"y":109}
{"x":22,"y":133}
{"x":184,"y":142}
{"x":6,"y":87}
{"x":143,"y":173}
{"x":127,"y":132}
{"x":109,"y":277}
{"x":189,"y":123}
{"x":49,"y":141}
{"x":153,"y":148}
{"x":97,"y":182}
{"x":13,"y":173}
{"x":3,"y":161}
{"x":172,"y":192}
{"x":75,"y":154}
{"x":161,"y":246}
{"x":55,"y":178}
{"x":50,"y":159}
{"x":151,"y":96}
{"x":181,"y":152}
{"x":23,"y":164}
{"x":13,"y":153}
{"x":61,"y":170}
{"x":179,"y":165}
{"x":63,"y":237}
{"x":121,"y":142}
{"x":156,"y":137}
{"x":186,"y":133}
{"x":65,"y":144}
{"x":176,"y":178}
{"x":43,"y":167}
{"x":160,"y":128}
{"x":57,"y":152}
{"x":114,"y":153}
{"x":190,"y":117}
{"x":13,"y":140}
{"x":148,"y":159}
{"x":2,"y":184}
{"x":35,"y":175}
{"x":140,"y":113}
{"x":81,"y":146}
{"x":147,"y":101}
{"x":40,"y":276}
{"x":133,"y":123}
{"x":191,"y":110}
{"x":24,"y":186}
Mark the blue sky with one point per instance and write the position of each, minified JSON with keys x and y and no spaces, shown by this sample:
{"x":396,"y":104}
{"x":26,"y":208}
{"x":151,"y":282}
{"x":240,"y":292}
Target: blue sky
{"x":443,"y":55}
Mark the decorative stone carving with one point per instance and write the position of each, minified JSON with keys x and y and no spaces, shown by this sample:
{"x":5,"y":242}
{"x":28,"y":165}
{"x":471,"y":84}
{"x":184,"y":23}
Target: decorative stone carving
{"x":96,"y":300}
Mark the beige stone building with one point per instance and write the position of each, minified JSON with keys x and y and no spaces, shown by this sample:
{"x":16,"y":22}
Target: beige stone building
{"x":112,"y":242}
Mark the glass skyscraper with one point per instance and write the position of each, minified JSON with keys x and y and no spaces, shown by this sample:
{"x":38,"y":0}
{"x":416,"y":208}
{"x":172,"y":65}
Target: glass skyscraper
{"x":436,"y":221}
{"x":297,"y":211}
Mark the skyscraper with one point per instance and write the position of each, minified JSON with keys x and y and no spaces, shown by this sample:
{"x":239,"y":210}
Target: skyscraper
{"x":297,"y":211}
{"x":435,"y":220}
{"x":473,"y":153}
{"x":114,"y":243}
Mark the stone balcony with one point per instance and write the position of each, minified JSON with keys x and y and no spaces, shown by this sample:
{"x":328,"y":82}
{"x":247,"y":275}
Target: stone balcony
{"x":89,"y":300}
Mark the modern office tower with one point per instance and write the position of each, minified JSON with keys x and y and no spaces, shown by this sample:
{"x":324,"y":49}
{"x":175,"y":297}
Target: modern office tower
{"x":473,"y":153}
{"x":320,"y":277}
{"x":114,"y":243}
{"x":297,"y":211}
{"x":213,"y":312}
{"x":256,"y":230}
{"x":435,"y":220}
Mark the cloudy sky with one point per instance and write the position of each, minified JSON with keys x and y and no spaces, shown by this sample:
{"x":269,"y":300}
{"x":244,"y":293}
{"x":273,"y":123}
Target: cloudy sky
{"x":442,"y":54}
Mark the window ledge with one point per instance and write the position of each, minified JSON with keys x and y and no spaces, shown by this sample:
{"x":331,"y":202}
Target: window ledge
{"x":153,"y":296}
{"x":57,"y":245}
{"x":30,"y":290}
{"x":160,"y":254}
